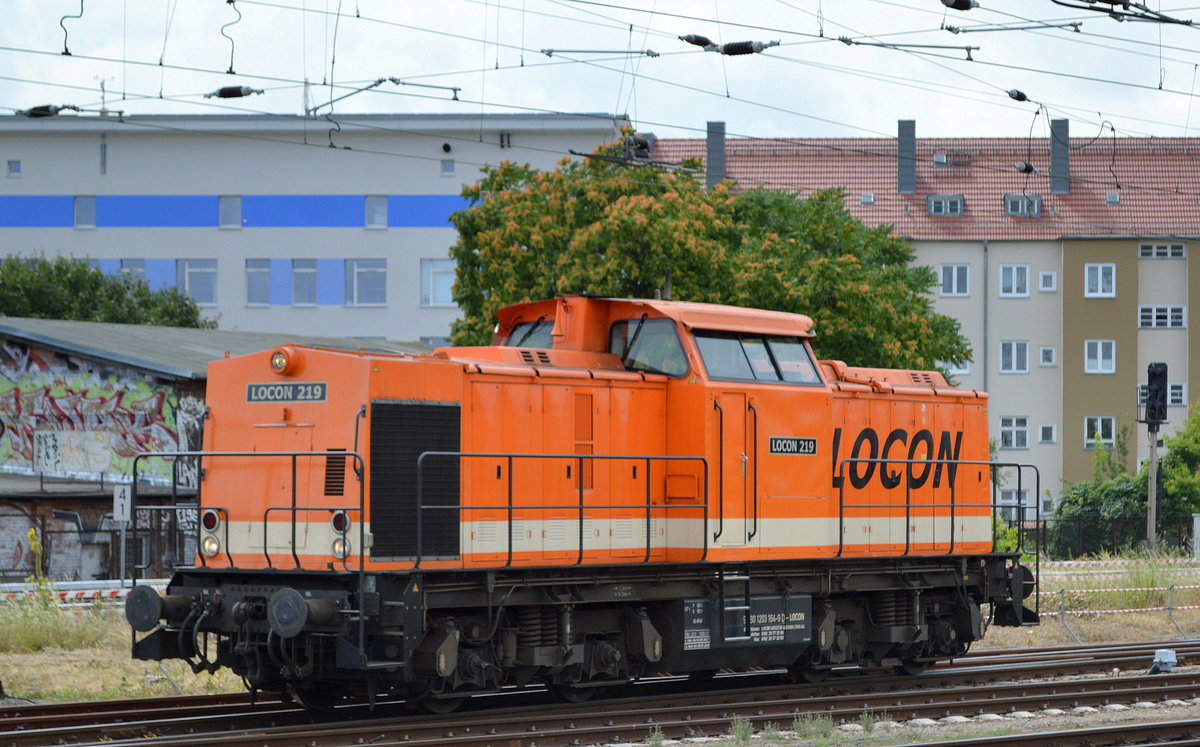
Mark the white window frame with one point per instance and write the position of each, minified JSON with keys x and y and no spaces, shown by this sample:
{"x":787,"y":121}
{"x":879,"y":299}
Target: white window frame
{"x":1047,"y":433}
{"x":1162,"y":251}
{"x":447,"y":167}
{"x":187,"y":269}
{"x":1014,"y":281}
{"x":956,"y":369}
{"x":1093,"y":424}
{"x":1162,"y":317}
{"x":229,"y":211}
{"x":13,"y":168}
{"x":356,"y":270}
{"x":946,"y":205}
{"x":1048,"y":281}
{"x":134,"y":267}
{"x":1100,"y":356}
{"x":304,"y":271}
{"x":1011,"y":504}
{"x":1097,"y":287}
{"x":1013,"y":346}
{"x":953,"y":274}
{"x":1047,"y":356}
{"x":261,"y":267}
{"x":1021,"y":205}
{"x":1177,"y":394}
{"x":1014,"y":432}
{"x":375,"y":211}
{"x":433,"y":269}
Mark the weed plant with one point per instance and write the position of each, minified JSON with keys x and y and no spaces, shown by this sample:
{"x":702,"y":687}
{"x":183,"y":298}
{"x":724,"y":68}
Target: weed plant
{"x":656,"y":737}
{"x":742,"y":729}
{"x":812,"y":725}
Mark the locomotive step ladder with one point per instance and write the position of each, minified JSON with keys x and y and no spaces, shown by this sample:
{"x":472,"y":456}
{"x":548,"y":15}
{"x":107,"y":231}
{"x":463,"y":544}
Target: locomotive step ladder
{"x":732,"y":598}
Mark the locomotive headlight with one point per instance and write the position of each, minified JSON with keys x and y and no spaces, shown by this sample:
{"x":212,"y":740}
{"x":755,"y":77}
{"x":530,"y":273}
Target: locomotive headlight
{"x":286,"y":360}
{"x":279,"y":361}
{"x":210,"y":546}
{"x":341,"y":548}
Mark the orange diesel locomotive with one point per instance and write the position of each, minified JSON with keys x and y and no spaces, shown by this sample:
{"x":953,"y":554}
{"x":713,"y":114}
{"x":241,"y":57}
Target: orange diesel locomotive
{"x":614,"y":488}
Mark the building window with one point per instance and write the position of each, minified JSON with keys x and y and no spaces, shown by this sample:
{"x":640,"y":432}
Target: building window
{"x":946,"y":204}
{"x":14,"y":168}
{"x":376,"y":211}
{"x":1099,"y":430}
{"x":85,"y":212}
{"x":955,"y":280}
{"x":1100,"y":280}
{"x":1012,"y":505}
{"x":1014,"y":281}
{"x":447,"y":167}
{"x":1014,"y":356}
{"x":135,"y":267}
{"x":1176,"y":394}
{"x":1047,"y":433}
{"x":437,"y":342}
{"x":229,"y":208}
{"x":1048,"y":281}
{"x":956,"y":369}
{"x":1100,"y":356}
{"x":1161,"y":317}
{"x":258,"y":281}
{"x":437,"y":282}
{"x":1014,"y":433}
{"x":366,"y":282}
{"x":197,"y":278}
{"x":1023,"y":205}
{"x":1162,"y":251}
{"x":1046,"y":356}
{"x":304,"y":282}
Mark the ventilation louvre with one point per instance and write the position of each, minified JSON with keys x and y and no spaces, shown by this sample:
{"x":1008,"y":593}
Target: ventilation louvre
{"x":533,"y":357}
{"x":335,"y":472}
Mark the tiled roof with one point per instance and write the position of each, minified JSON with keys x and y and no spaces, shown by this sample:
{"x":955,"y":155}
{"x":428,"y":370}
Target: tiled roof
{"x":1157,"y":179}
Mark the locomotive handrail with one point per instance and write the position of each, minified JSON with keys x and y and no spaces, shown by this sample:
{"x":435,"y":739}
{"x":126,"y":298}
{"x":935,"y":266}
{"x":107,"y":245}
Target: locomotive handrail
{"x":754,"y":481}
{"x":909,"y":505}
{"x":510,"y":506}
{"x":720,"y":471}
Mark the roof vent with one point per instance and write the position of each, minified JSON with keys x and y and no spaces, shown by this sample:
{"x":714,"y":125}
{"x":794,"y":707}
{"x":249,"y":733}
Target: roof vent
{"x":533,"y":357}
{"x":1112,"y":198}
{"x":867,"y":198}
{"x":939,"y":159}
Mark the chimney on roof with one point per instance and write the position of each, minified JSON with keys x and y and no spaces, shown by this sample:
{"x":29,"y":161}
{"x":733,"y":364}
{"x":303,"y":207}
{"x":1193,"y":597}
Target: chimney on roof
{"x":906,"y":156}
{"x":715,"y":157}
{"x":1060,"y":156}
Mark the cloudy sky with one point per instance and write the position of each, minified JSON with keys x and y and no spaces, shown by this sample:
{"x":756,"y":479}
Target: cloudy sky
{"x":161,"y":56}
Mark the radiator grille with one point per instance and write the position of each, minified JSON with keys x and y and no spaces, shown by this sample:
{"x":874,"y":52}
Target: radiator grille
{"x":335,"y":472}
{"x":400,"y":433}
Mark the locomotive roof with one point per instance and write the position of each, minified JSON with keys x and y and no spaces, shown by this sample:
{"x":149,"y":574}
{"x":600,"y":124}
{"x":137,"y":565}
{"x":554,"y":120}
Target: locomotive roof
{"x":692,"y":315}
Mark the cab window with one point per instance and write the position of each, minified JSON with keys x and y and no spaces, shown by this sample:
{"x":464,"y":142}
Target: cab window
{"x":650,"y":345}
{"x":534,"y":334}
{"x":741,"y":356}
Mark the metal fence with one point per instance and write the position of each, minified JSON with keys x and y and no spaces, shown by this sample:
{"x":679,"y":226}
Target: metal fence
{"x":1090,"y":534}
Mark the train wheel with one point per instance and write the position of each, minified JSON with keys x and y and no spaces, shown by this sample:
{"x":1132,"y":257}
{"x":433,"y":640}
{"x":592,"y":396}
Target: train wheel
{"x":912,"y":668}
{"x":807,"y":673}
{"x":315,"y":699}
{"x":572,"y":693}
{"x":440,"y":706}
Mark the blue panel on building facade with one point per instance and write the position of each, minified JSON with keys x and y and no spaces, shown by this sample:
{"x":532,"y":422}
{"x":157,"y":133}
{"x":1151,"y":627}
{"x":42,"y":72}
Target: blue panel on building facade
{"x":156,"y":211}
{"x":275,"y":211}
{"x":281,"y":282}
{"x":109,"y":266}
{"x":160,"y":273}
{"x":331,"y":282}
{"x":423,"y":211}
{"x":29,"y":211}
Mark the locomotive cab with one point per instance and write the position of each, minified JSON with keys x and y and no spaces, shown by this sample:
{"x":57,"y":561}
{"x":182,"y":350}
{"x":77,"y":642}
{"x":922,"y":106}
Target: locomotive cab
{"x":614,"y":488}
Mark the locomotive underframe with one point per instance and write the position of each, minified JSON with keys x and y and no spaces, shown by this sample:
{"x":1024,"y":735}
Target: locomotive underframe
{"x":440,"y":634}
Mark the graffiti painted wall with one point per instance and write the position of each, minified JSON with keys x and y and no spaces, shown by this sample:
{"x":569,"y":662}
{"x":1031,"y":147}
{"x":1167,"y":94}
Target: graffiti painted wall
{"x":69,"y":416}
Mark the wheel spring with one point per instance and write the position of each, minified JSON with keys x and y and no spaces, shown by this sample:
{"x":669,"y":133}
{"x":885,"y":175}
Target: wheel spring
{"x":529,"y":627}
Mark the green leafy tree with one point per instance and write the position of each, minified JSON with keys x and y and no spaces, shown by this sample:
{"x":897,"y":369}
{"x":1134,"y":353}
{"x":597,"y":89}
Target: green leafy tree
{"x":1181,"y":467}
{"x":67,"y":288}
{"x":594,"y":226}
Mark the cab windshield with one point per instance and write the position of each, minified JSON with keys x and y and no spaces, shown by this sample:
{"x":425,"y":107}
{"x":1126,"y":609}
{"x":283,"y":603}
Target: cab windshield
{"x":650,"y":345}
{"x":534,"y":334}
{"x":742,"y":356}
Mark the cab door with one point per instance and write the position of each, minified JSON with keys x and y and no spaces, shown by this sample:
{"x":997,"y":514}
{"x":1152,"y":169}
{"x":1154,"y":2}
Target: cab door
{"x":734,"y":468}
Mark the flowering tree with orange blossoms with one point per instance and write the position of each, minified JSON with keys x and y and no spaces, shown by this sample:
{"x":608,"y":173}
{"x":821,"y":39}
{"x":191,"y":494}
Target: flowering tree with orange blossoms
{"x":605,"y":228}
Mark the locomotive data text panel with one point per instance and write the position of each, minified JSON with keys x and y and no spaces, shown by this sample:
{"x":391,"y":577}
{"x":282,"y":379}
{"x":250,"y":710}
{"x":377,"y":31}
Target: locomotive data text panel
{"x":773,"y":619}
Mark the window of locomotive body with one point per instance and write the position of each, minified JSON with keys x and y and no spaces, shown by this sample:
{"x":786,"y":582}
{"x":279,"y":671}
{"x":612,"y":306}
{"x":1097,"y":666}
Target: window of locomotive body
{"x":534,"y":334}
{"x":650,"y":345}
{"x":741,"y":356}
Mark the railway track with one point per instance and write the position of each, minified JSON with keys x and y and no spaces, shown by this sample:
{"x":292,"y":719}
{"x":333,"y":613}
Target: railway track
{"x":966,"y":688}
